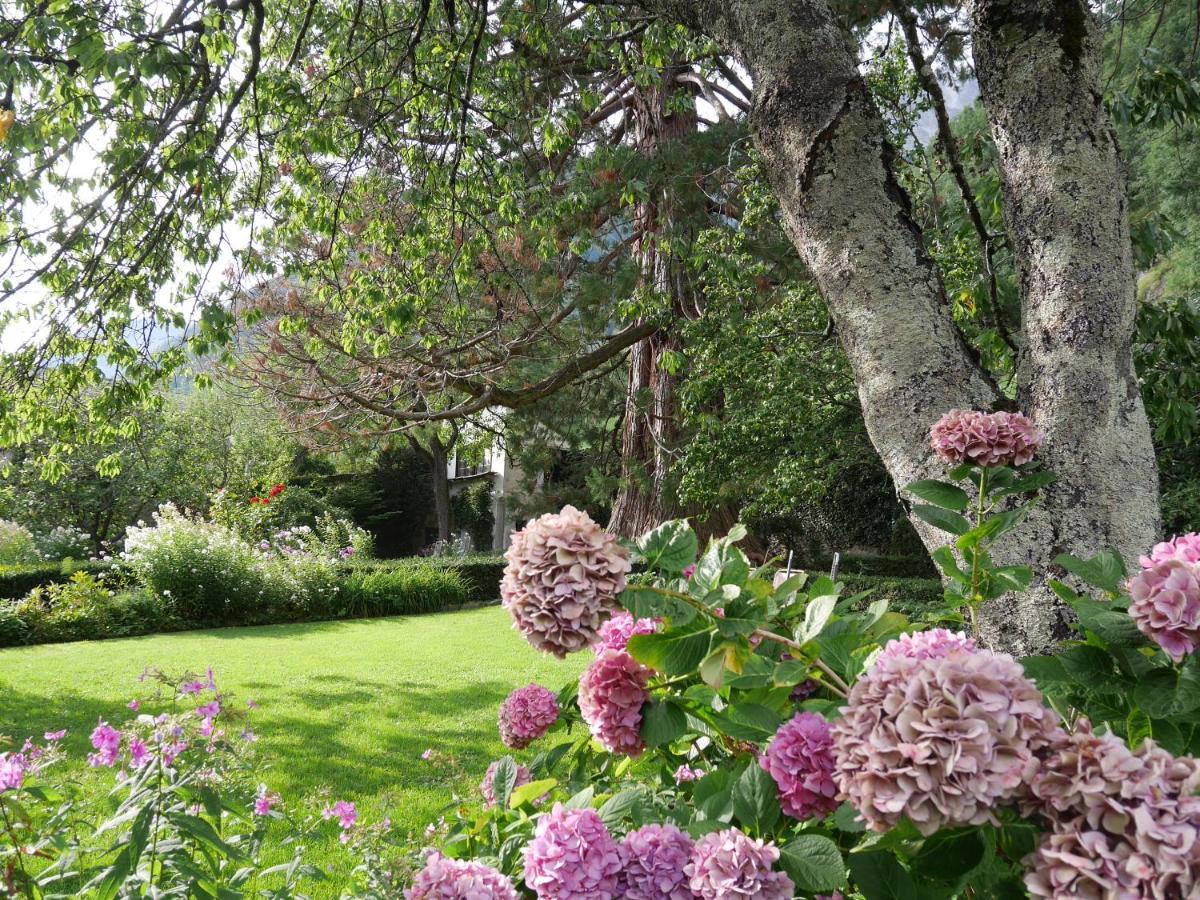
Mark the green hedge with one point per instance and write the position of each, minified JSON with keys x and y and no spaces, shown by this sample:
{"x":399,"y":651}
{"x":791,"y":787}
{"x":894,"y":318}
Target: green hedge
{"x":911,"y":596}
{"x":870,"y":564}
{"x":480,"y":572}
{"x":17,"y":581}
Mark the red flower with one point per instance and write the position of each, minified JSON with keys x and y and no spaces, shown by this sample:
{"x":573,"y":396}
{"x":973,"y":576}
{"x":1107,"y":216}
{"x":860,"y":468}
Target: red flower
{"x":277,"y":490}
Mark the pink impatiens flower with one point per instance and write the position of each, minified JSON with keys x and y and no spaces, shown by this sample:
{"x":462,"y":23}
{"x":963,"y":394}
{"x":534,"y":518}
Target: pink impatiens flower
{"x":1166,"y":605}
{"x":107,"y":742}
{"x":573,"y":857}
{"x":526,"y":714}
{"x":800,"y":760}
{"x":562,"y":580}
{"x":612,"y":691}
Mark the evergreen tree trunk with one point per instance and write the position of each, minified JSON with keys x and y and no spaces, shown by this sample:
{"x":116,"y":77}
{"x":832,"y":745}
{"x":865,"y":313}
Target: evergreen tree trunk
{"x":649,"y":429}
{"x":825,"y":148}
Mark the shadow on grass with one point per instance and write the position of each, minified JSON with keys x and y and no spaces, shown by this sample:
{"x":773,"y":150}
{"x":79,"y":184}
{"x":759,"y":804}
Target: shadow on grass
{"x":355,"y":736}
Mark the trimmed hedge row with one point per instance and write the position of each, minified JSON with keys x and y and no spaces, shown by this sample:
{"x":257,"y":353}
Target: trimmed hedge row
{"x":869,"y":564}
{"x":480,"y":572}
{"x":911,"y":596}
{"x":17,"y":581}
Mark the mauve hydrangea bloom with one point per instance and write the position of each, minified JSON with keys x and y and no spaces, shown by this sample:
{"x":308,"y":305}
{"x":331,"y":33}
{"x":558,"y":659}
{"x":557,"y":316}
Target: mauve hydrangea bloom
{"x":456,"y":879}
{"x":1124,"y":823}
{"x":526,"y":714}
{"x":616,"y":632}
{"x":985,"y":439}
{"x":562,"y":580}
{"x":653,"y":860}
{"x":1166,"y":605}
{"x":728,"y":865}
{"x":1183,"y":547}
{"x":612,"y":691}
{"x":942,"y":740}
{"x":932,"y":644}
{"x":487,"y":787}
{"x":107,"y":741}
{"x":573,"y":857}
{"x":800,"y":759}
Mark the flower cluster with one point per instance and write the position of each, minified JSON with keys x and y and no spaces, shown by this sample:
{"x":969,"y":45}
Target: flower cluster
{"x":454,"y":879}
{"x":616,"y":632}
{"x":985,"y":439}
{"x":487,"y":787}
{"x":1166,"y":604}
{"x":800,"y":759}
{"x":728,"y":864}
{"x":1123,"y":823}
{"x":612,"y":691}
{"x":685,"y":774}
{"x":1183,"y":547}
{"x":943,"y":740}
{"x":29,"y":760}
{"x":653,"y":863}
{"x":526,"y":714}
{"x":562,"y":580}
{"x":347,"y":815}
{"x":573,"y":857}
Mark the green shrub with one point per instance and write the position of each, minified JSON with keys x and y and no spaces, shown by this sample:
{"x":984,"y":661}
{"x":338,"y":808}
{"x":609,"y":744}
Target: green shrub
{"x":75,"y":610}
{"x":914,"y":597}
{"x":13,"y":630}
{"x":298,"y":588}
{"x":481,"y":572}
{"x":17,"y":581}
{"x":404,"y":590}
{"x":17,"y":546}
{"x":141,"y":612}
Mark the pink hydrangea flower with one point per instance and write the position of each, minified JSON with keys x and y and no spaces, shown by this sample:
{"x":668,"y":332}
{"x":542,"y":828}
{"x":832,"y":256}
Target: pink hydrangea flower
{"x":616,"y":632}
{"x":1166,"y":605}
{"x":985,"y":439}
{"x":612,"y":691}
{"x":686,"y":773}
{"x":728,"y":865}
{"x":562,"y":580}
{"x":456,"y":879}
{"x":1183,"y":547}
{"x":487,"y":787}
{"x":1124,"y":823}
{"x":933,"y":644}
{"x":573,"y":857}
{"x":12,"y":771}
{"x":107,"y":742}
{"x":800,"y":759}
{"x":941,"y":740}
{"x":653,"y":863}
{"x":526,"y":714}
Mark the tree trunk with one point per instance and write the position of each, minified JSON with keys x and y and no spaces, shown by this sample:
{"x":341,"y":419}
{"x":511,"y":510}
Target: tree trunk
{"x":832,"y":168}
{"x":1039,"y":70}
{"x":436,"y":455}
{"x":649,"y":428}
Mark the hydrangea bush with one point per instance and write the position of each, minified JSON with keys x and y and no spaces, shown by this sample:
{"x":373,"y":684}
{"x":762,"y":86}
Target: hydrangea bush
{"x":736,"y":734}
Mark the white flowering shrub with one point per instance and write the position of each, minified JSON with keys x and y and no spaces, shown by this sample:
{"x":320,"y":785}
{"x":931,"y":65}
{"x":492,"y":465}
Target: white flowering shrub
{"x":207,"y":571}
{"x":17,"y":546}
{"x":63,"y":542}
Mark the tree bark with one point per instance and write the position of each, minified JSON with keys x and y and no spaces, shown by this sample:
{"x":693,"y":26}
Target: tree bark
{"x":436,"y":455}
{"x":824,"y":145}
{"x":649,"y":429}
{"x":1039,"y":69}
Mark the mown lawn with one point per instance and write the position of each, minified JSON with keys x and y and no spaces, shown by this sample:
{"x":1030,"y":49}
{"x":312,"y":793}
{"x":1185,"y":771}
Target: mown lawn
{"x":348,"y":706}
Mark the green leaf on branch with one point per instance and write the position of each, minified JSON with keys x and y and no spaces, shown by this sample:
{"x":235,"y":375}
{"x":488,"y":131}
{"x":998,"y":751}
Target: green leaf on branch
{"x":504,"y":780}
{"x":814,"y":863}
{"x":673,"y":652}
{"x":756,"y":800}
{"x":621,"y":806}
{"x":940,"y":494}
{"x":644,"y":602}
{"x":880,"y":876}
{"x":1026,"y":484}
{"x":942,"y":518}
{"x":949,"y":855}
{"x":712,"y":669}
{"x":944,"y":558}
{"x":1163,"y":693}
{"x":1105,"y":570}
{"x":672,"y":546}
{"x":528,"y":793}
{"x":662,"y":723}
{"x":816,"y":617}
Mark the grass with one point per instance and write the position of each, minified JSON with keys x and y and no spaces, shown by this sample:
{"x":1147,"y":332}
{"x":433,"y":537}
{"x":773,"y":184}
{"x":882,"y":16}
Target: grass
{"x":348,"y":706}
